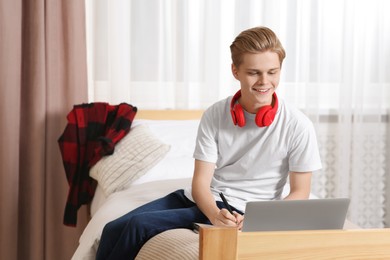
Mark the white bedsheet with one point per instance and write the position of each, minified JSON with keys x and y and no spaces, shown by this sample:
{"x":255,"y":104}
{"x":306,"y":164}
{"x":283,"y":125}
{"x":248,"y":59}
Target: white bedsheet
{"x":118,"y":204}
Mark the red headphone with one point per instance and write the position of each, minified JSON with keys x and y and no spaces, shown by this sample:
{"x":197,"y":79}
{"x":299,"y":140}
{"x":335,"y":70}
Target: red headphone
{"x":264,"y":117}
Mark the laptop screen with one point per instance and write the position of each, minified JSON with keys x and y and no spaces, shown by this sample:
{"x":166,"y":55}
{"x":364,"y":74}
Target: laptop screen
{"x":283,"y":215}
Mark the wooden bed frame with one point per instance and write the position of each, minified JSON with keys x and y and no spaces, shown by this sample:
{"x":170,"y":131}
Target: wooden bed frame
{"x":169,"y":114}
{"x":229,"y":243}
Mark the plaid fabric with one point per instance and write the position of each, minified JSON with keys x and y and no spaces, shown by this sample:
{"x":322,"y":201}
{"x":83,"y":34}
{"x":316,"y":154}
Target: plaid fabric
{"x":92,"y":132}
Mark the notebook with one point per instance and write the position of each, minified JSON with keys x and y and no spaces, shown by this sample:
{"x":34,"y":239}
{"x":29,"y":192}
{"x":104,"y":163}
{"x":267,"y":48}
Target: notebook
{"x":283,"y":215}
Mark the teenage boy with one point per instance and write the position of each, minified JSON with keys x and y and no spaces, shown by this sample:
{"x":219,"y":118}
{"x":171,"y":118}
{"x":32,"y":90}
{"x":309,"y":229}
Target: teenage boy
{"x":247,"y":146}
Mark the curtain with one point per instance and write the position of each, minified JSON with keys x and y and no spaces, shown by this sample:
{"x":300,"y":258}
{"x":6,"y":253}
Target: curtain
{"x":42,"y":74}
{"x":175,"y":55}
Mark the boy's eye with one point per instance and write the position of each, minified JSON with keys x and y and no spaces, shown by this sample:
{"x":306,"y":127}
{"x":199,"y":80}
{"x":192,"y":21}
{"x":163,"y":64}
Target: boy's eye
{"x":272,"y":72}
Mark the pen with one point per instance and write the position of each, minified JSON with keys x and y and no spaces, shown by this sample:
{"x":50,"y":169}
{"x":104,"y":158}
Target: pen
{"x":226,"y":203}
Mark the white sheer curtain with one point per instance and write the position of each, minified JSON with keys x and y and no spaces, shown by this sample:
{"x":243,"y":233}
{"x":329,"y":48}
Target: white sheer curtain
{"x":175,"y":55}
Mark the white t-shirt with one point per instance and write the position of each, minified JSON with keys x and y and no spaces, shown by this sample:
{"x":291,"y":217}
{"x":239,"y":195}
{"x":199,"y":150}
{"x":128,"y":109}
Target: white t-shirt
{"x":252,"y":163}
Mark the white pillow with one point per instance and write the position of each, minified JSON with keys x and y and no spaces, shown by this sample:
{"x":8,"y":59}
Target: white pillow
{"x":134,"y":155}
{"x":179,"y":161}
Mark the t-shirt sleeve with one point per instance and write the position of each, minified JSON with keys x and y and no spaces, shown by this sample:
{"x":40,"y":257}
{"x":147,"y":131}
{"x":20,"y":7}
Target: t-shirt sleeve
{"x":304,"y":154}
{"x":206,"y":147}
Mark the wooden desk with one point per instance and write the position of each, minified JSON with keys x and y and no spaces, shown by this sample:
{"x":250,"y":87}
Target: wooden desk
{"x":228,"y":243}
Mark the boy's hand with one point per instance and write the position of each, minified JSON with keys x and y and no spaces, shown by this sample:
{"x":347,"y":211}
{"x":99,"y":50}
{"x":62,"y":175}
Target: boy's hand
{"x":224,"y":218}
{"x":239,"y":218}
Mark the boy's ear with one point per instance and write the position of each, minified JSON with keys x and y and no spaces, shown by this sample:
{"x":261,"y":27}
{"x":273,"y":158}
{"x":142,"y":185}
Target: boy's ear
{"x":234,"y":71}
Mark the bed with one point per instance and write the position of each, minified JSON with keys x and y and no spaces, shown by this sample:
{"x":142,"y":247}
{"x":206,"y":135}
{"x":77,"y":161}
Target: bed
{"x":159,"y":162}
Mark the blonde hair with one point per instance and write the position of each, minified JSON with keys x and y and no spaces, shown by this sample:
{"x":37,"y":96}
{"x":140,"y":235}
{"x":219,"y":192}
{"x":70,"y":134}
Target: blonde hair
{"x":255,"y":40}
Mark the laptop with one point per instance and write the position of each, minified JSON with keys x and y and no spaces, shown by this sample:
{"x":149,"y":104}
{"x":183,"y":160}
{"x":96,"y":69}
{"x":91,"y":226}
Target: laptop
{"x":283,"y":215}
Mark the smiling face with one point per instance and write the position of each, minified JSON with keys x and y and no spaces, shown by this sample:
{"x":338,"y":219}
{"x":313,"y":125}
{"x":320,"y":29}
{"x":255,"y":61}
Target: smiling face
{"x":259,"y":75}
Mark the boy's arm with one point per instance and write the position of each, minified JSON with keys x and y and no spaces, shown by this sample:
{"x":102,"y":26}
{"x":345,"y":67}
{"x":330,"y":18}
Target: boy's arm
{"x":203,"y":197}
{"x":300,"y":184}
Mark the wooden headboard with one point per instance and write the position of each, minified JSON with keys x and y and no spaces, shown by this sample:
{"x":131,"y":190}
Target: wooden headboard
{"x":169,"y":114}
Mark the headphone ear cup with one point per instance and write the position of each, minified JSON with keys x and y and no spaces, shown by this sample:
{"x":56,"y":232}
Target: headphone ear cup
{"x":239,"y":117}
{"x":264,"y":116}
{"x":233,"y":116}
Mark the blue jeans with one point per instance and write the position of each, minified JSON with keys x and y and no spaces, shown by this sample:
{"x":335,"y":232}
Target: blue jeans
{"x":123,"y":238}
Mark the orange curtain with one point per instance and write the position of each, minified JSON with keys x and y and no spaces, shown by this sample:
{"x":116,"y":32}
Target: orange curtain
{"x":42,"y":74}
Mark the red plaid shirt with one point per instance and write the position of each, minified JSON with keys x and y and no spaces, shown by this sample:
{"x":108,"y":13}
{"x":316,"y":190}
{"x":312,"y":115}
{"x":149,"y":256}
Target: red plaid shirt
{"x":92,"y":132}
